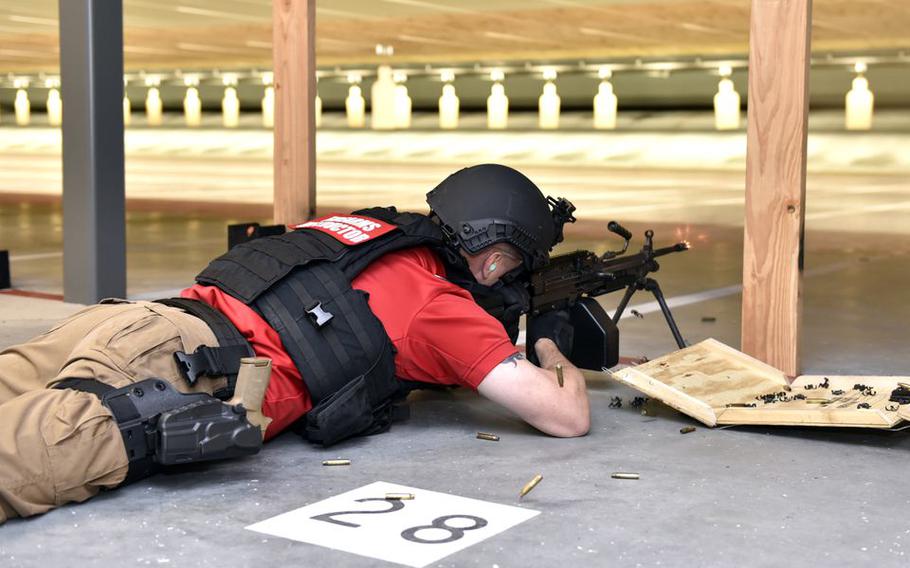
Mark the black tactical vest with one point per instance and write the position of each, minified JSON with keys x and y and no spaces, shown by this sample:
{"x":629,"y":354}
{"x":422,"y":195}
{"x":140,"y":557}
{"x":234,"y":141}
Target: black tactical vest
{"x":300,"y":283}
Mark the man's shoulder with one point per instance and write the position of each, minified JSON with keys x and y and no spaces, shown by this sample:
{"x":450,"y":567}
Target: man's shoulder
{"x":417,"y":257}
{"x":411,"y":265}
{"x":410,"y":280}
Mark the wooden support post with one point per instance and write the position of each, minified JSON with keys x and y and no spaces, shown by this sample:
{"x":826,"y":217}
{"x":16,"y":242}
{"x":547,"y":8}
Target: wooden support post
{"x":294,"y":64}
{"x":776,"y":181}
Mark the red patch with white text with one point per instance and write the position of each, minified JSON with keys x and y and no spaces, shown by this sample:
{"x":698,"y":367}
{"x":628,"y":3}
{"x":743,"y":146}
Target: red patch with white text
{"x":348,"y":229}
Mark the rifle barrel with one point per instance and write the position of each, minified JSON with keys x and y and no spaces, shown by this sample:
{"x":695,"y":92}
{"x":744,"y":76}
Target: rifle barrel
{"x":678,"y":247}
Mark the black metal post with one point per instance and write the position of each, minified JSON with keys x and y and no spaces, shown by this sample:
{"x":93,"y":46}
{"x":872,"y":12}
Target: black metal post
{"x":5,"y":280}
{"x":94,"y":225}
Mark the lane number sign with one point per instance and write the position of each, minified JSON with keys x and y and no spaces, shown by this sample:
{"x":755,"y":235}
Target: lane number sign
{"x":413,"y":532}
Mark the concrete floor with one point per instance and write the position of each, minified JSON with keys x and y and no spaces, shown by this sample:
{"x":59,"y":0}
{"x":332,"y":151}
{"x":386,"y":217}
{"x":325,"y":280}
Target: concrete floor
{"x":732,"y":497}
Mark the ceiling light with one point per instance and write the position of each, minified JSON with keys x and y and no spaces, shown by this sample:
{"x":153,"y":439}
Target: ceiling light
{"x":430,"y":6}
{"x":193,"y":11}
{"x":384,"y":49}
{"x":508,"y":37}
{"x":32,"y":20}
{"x":658,"y":73}
{"x":421,"y":39}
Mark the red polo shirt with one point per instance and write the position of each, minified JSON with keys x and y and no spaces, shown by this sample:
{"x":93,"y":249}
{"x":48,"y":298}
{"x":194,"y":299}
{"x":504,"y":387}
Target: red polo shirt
{"x":441,"y":335}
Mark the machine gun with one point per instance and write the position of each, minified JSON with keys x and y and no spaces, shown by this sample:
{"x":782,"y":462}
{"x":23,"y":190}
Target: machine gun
{"x":572,"y":281}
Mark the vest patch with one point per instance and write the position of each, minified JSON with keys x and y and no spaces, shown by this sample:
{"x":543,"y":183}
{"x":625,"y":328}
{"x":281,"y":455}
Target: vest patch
{"x":348,"y":229}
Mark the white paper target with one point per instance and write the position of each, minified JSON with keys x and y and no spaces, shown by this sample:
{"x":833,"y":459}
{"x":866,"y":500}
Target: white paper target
{"x":411,"y":532}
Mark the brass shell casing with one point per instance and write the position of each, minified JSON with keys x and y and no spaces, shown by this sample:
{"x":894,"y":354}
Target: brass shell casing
{"x":530,"y":485}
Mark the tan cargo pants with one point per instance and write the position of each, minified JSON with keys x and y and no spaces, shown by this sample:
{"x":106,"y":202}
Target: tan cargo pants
{"x":61,"y":445}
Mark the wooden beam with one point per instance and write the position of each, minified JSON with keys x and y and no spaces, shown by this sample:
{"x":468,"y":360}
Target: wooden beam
{"x":294,"y":64}
{"x":776,"y":181}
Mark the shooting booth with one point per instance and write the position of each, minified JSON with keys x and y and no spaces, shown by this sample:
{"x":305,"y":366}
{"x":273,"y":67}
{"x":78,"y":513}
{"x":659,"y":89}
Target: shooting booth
{"x":779,"y":57}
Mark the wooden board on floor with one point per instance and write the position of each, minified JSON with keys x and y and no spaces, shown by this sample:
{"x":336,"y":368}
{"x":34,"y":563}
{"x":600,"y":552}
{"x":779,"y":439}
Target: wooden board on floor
{"x":718,"y":385}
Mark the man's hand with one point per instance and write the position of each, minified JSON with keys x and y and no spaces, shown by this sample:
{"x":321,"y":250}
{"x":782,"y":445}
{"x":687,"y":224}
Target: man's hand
{"x":534,"y":393}
{"x":552,"y":325}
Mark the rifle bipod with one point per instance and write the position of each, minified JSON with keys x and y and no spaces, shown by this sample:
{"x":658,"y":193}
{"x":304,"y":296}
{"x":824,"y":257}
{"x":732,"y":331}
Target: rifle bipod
{"x":652,"y":286}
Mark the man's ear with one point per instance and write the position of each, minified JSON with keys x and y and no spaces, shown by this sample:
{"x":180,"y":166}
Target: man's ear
{"x":490,"y":263}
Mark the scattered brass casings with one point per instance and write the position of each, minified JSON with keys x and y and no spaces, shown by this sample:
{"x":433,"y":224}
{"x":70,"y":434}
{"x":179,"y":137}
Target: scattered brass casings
{"x":649,"y":408}
{"x":487,"y":436}
{"x":686,"y":429}
{"x":530,"y":485}
{"x":399,"y":496}
{"x":559,"y":378}
{"x":619,"y":475}
{"x":336,"y":462}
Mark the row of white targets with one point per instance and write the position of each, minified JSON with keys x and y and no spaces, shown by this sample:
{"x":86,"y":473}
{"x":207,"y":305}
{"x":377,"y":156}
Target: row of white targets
{"x":22,"y":106}
{"x":192,"y":103}
{"x":391,"y":105}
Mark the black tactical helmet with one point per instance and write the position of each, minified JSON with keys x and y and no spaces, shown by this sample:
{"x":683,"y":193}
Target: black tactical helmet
{"x":490,"y":203}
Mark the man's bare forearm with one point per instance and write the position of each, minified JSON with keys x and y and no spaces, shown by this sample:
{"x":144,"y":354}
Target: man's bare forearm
{"x":574,"y":391}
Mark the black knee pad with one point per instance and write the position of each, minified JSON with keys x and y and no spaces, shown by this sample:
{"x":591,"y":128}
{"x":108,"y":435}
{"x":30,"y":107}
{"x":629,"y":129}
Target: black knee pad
{"x":161,"y":426}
